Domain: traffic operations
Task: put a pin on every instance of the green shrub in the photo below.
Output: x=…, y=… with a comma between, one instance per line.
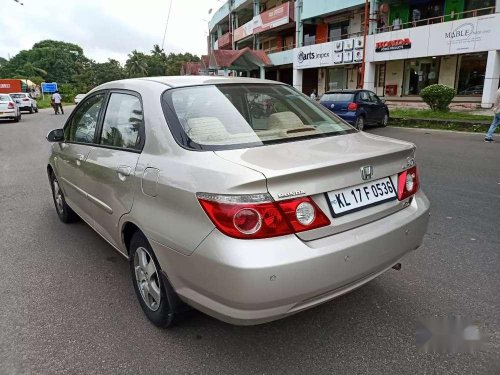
x=68, y=92
x=438, y=97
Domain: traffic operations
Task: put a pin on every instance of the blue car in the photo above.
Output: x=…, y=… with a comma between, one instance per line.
x=358, y=107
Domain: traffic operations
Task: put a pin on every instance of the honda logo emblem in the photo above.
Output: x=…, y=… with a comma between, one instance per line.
x=367, y=172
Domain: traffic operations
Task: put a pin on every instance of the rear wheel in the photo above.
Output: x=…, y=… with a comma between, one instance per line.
x=18, y=118
x=385, y=120
x=65, y=213
x=31, y=110
x=36, y=109
x=156, y=296
x=360, y=123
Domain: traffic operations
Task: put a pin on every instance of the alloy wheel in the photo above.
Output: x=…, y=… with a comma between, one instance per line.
x=147, y=278
x=360, y=123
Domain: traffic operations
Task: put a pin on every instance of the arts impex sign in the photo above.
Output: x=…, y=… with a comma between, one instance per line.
x=393, y=45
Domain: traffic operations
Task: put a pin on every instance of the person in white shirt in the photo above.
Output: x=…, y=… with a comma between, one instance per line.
x=314, y=96
x=396, y=23
x=57, y=102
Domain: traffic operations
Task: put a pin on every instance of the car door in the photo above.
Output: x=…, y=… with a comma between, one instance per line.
x=379, y=107
x=366, y=106
x=113, y=161
x=71, y=155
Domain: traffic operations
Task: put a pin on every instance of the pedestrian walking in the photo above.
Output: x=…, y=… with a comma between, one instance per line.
x=57, y=99
x=496, y=119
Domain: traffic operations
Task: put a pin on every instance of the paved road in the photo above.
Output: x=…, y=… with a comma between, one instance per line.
x=67, y=303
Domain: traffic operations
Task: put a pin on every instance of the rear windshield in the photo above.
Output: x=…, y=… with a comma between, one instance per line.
x=338, y=97
x=18, y=96
x=4, y=98
x=220, y=117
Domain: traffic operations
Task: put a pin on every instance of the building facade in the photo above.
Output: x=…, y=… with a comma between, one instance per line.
x=393, y=47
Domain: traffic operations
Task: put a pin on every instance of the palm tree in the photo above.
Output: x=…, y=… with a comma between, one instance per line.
x=30, y=70
x=136, y=65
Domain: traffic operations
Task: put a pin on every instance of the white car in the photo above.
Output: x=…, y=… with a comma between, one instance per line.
x=79, y=98
x=9, y=109
x=25, y=101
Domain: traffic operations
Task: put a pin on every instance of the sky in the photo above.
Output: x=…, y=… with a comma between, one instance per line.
x=106, y=28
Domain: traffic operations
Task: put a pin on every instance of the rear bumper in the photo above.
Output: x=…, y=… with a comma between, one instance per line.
x=349, y=117
x=25, y=108
x=253, y=282
x=8, y=114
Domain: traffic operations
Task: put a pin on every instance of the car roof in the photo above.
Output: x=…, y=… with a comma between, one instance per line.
x=184, y=81
x=344, y=91
x=19, y=93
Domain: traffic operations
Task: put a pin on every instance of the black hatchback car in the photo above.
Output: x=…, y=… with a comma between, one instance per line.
x=358, y=107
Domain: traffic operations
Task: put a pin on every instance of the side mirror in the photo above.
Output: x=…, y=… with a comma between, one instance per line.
x=56, y=135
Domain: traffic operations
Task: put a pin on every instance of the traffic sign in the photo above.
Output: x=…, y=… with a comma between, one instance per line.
x=49, y=88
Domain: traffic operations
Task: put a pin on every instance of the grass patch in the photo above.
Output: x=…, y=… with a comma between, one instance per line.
x=440, y=125
x=45, y=103
x=429, y=114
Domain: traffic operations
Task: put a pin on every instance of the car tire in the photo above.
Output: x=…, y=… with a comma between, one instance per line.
x=31, y=110
x=385, y=121
x=36, y=109
x=360, y=123
x=18, y=118
x=65, y=213
x=156, y=295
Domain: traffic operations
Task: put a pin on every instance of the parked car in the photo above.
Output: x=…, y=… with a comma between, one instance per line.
x=79, y=98
x=25, y=101
x=247, y=215
x=9, y=108
x=358, y=107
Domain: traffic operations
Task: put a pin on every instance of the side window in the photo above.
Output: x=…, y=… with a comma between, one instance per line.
x=122, y=122
x=84, y=122
x=364, y=97
x=374, y=98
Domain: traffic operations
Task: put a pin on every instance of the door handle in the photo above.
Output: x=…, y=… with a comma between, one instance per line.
x=124, y=170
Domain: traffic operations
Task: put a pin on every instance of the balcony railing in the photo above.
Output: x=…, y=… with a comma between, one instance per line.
x=439, y=19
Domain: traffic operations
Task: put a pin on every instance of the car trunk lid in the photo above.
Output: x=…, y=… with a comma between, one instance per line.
x=315, y=167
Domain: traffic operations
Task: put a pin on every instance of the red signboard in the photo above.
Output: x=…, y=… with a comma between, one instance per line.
x=278, y=16
x=243, y=31
x=225, y=40
x=393, y=45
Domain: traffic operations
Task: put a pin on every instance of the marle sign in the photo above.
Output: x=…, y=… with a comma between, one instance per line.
x=393, y=45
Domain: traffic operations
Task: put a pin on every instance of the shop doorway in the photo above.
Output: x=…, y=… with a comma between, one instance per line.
x=310, y=81
x=420, y=73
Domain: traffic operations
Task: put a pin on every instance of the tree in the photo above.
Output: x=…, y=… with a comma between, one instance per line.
x=3, y=61
x=136, y=64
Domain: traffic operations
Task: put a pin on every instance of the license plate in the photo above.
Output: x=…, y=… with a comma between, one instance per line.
x=362, y=196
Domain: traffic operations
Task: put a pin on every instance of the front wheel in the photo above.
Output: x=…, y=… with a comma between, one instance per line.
x=360, y=123
x=156, y=296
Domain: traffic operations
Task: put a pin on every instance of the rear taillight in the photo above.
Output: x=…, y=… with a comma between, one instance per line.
x=258, y=216
x=408, y=183
x=11, y=105
x=352, y=107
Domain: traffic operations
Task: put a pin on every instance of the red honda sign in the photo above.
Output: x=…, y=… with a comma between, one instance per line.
x=393, y=45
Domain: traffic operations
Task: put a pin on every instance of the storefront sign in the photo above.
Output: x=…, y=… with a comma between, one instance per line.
x=273, y=18
x=224, y=40
x=243, y=31
x=328, y=54
x=393, y=45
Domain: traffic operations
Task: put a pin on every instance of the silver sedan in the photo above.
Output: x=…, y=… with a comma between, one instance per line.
x=239, y=197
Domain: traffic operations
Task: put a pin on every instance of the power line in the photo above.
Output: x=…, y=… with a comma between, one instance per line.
x=166, y=25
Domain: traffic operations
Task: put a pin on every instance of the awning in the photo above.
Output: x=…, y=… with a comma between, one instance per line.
x=245, y=59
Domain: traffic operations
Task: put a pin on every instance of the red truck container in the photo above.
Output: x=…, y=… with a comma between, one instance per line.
x=8, y=86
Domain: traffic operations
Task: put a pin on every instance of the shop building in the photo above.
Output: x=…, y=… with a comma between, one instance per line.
x=403, y=46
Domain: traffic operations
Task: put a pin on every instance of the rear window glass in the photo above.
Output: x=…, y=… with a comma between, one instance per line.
x=338, y=97
x=18, y=96
x=4, y=98
x=219, y=117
